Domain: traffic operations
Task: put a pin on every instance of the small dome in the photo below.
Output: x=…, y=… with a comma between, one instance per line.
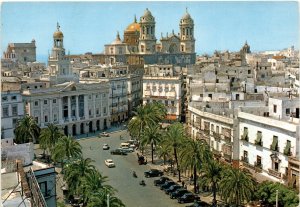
x=58, y=34
x=117, y=40
x=187, y=19
x=147, y=13
x=186, y=16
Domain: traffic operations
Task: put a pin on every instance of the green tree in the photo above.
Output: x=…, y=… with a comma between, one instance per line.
x=193, y=155
x=211, y=175
x=266, y=192
x=27, y=130
x=99, y=198
x=164, y=151
x=144, y=116
x=174, y=138
x=66, y=148
x=151, y=135
x=76, y=172
x=49, y=137
x=236, y=186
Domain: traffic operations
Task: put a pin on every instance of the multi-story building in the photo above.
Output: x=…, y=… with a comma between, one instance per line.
x=77, y=107
x=21, y=52
x=269, y=140
x=12, y=106
x=164, y=83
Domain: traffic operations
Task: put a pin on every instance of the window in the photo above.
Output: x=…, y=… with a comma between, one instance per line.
x=4, y=98
x=45, y=102
x=212, y=127
x=210, y=96
x=43, y=187
x=54, y=101
x=5, y=111
x=104, y=110
x=90, y=112
x=249, y=71
x=46, y=119
x=90, y=96
x=36, y=103
x=166, y=103
x=15, y=110
x=274, y=145
x=104, y=95
x=13, y=98
x=287, y=111
x=36, y=119
x=217, y=129
x=258, y=161
x=14, y=122
x=275, y=108
x=97, y=111
x=55, y=117
x=173, y=103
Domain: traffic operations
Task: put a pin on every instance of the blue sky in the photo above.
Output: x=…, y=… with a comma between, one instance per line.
x=87, y=26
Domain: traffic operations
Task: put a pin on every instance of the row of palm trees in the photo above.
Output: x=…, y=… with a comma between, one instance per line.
x=84, y=181
x=233, y=185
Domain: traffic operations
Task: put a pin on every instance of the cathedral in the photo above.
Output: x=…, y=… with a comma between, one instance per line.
x=140, y=45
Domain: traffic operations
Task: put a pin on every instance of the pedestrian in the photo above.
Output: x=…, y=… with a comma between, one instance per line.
x=182, y=183
x=197, y=188
x=120, y=137
x=90, y=147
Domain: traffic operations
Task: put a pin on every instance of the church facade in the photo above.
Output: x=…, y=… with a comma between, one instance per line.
x=140, y=45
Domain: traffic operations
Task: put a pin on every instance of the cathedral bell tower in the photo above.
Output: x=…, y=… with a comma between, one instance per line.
x=187, y=40
x=147, y=38
x=58, y=64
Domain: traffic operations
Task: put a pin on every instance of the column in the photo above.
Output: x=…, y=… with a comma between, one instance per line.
x=94, y=105
x=86, y=107
x=42, y=114
x=69, y=109
x=77, y=108
x=50, y=112
x=60, y=107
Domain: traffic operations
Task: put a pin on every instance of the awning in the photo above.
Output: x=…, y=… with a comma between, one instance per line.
x=274, y=143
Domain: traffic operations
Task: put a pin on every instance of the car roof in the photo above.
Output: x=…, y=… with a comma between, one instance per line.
x=109, y=160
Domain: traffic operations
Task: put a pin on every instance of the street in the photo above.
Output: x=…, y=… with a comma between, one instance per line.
x=129, y=191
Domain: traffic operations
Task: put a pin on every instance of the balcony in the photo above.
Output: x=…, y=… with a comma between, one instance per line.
x=244, y=159
x=274, y=173
x=227, y=157
x=245, y=137
x=216, y=153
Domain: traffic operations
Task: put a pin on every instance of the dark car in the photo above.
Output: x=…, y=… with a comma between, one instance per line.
x=188, y=198
x=167, y=185
x=178, y=193
x=118, y=152
x=199, y=204
x=172, y=188
x=161, y=181
x=153, y=173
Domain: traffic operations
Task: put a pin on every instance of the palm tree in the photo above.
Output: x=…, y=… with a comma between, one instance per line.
x=164, y=151
x=77, y=172
x=100, y=198
x=236, y=186
x=145, y=115
x=211, y=175
x=174, y=137
x=151, y=135
x=193, y=155
x=27, y=130
x=49, y=136
x=66, y=148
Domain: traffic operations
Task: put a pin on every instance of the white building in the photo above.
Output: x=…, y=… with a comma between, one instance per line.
x=12, y=106
x=77, y=107
x=164, y=83
x=269, y=142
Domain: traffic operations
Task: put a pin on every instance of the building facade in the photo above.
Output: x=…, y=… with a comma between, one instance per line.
x=21, y=52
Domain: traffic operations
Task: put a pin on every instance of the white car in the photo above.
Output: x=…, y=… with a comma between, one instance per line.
x=104, y=134
x=105, y=147
x=109, y=163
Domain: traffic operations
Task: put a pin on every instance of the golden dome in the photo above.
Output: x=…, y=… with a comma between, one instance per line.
x=58, y=33
x=133, y=27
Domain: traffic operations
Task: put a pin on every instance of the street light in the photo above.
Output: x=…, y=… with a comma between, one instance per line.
x=108, y=200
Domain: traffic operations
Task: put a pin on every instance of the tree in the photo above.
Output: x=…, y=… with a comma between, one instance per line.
x=211, y=175
x=27, y=130
x=77, y=172
x=67, y=148
x=49, y=136
x=193, y=155
x=144, y=116
x=174, y=137
x=266, y=192
x=236, y=186
x=99, y=198
x=151, y=135
x=164, y=151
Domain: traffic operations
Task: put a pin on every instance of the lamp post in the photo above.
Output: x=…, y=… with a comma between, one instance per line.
x=107, y=200
x=276, y=198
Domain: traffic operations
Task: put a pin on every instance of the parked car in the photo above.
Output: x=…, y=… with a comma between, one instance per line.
x=109, y=163
x=199, y=204
x=118, y=152
x=178, y=193
x=153, y=173
x=127, y=149
x=160, y=181
x=172, y=188
x=105, y=147
x=188, y=198
x=167, y=185
x=104, y=134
